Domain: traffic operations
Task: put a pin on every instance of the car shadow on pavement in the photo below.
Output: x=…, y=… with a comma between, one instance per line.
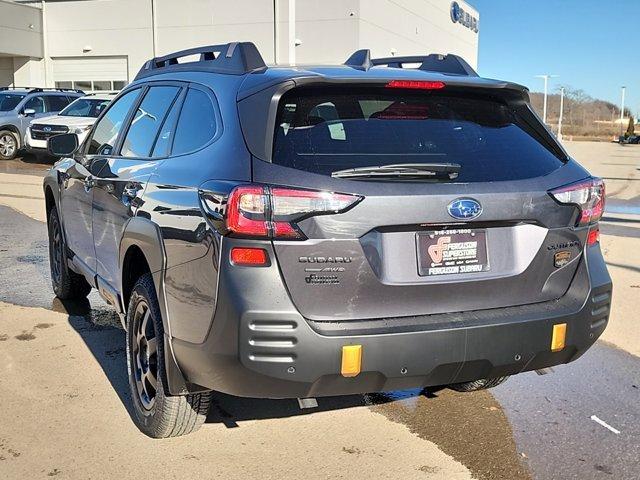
x=230, y=410
x=27, y=164
x=100, y=329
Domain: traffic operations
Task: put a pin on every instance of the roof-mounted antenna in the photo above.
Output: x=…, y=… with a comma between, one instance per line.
x=360, y=60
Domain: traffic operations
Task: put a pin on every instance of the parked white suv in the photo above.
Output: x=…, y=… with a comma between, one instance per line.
x=77, y=117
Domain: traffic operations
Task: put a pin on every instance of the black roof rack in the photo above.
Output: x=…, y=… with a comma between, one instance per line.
x=236, y=58
x=42, y=89
x=15, y=88
x=449, y=64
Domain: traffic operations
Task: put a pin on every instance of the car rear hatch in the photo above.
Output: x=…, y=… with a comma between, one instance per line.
x=443, y=202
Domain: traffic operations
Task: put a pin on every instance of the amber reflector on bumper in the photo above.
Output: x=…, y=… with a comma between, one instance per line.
x=558, y=336
x=351, y=360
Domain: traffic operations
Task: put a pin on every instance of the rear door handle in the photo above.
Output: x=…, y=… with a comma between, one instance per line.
x=131, y=190
x=130, y=193
x=64, y=178
x=89, y=183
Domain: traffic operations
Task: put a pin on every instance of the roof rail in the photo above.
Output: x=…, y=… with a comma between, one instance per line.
x=236, y=58
x=102, y=92
x=42, y=89
x=16, y=88
x=449, y=64
x=39, y=89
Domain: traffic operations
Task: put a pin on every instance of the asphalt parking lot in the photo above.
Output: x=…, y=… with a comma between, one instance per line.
x=64, y=394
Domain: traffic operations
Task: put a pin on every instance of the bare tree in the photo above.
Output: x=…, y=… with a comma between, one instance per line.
x=583, y=115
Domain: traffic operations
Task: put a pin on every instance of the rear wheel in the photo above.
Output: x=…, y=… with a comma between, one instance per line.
x=9, y=145
x=155, y=412
x=476, y=385
x=67, y=284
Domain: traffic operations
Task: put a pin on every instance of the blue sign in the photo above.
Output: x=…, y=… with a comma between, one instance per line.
x=464, y=209
x=461, y=16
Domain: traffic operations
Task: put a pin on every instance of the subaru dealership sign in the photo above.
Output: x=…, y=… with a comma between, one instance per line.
x=459, y=15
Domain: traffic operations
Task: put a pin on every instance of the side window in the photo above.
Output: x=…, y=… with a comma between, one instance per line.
x=36, y=103
x=56, y=103
x=163, y=142
x=197, y=123
x=106, y=130
x=147, y=121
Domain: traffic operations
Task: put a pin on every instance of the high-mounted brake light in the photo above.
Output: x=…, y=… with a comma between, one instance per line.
x=588, y=195
x=272, y=212
x=416, y=84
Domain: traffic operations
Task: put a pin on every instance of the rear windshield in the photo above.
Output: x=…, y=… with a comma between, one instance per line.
x=323, y=130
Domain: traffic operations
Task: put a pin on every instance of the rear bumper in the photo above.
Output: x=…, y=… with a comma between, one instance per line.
x=262, y=347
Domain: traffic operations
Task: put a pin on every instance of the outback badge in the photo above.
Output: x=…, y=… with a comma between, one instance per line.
x=561, y=258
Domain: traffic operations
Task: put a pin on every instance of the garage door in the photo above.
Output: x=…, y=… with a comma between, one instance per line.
x=90, y=73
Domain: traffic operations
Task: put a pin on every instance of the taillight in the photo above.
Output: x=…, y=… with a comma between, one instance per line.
x=416, y=84
x=594, y=236
x=588, y=195
x=272, y=212
x=246, y=211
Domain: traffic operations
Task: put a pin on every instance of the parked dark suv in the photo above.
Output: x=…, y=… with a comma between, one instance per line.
x=310, y=231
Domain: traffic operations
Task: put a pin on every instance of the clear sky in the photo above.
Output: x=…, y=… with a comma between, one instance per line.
x=593, y=45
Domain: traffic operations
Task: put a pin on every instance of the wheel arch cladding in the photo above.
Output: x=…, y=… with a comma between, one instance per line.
x=134, y=265
x=13, y=129
x=141, y=251
x=49, y=199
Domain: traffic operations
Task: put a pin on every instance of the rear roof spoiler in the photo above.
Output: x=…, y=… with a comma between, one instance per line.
x=449, y=64
x=236, y=58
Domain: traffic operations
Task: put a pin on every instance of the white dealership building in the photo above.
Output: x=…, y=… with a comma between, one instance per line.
x=101, y=44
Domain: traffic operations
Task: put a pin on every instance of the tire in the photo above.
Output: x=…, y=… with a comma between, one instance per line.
x=155, y=412
x=476, y=385
x=67, y=284
x=9, y=145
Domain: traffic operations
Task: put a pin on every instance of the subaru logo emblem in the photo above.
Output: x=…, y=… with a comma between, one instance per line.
x=464, y=209
x=455, y=12
x=47, y=129
x=461, y=16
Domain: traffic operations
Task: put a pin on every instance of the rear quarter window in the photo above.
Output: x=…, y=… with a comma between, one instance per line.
x=322, y=130
x=197, y=124
x=56, y=103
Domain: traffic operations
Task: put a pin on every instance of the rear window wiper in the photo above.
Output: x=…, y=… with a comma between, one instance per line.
x=402, y=171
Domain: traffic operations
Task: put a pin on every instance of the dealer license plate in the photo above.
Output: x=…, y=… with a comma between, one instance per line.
x=447, y=252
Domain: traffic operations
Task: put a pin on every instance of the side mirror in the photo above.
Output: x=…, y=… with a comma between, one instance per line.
x=28, y=112
x=62, y=145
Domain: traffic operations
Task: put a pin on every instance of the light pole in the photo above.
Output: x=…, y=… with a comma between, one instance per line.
x=292, y=42
x=622, y=109
x=546, y=83
x=292, y=32
x=561, y=112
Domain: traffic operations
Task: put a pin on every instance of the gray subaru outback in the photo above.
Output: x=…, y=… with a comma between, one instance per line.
x=283, y=232
x=20, y=106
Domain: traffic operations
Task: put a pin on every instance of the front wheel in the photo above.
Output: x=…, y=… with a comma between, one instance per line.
x=155, y=412
x=9, y=145
x=476, y=385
